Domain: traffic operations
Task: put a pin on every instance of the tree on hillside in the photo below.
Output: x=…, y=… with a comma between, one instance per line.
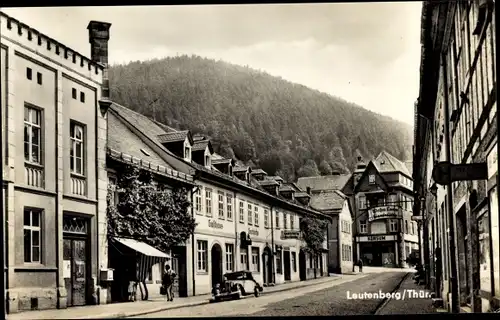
x=309, y=169
x=324, y=168
x=248, y=113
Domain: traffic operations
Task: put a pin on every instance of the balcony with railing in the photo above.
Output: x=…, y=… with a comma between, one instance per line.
x=34, y=175
x=78, y=185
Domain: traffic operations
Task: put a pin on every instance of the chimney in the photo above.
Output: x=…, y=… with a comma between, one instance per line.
x=98, y=39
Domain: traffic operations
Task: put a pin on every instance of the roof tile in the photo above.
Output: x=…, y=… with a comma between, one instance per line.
x=318, y=183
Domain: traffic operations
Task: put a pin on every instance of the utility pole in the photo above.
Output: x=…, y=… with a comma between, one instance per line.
x=449, y=198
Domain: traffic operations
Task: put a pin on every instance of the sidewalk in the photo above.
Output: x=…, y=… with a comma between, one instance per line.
x=128, y=309
x=410, y=304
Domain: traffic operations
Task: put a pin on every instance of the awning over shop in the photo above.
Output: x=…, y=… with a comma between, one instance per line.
x=142, y=248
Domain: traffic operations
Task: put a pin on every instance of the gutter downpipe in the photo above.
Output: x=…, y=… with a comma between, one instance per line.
x=455, y=306
x=273, y=280
x=193, y=264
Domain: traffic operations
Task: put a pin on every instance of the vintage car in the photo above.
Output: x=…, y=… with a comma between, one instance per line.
x=235, y=285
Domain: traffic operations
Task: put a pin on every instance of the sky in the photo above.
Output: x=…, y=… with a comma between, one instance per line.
x=366, y=53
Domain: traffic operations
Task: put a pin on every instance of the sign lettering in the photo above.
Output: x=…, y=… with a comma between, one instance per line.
x=383, y=212
x=214, y=224
x=445, y=173
x=290, y=234
x=376, y=238
x=253, y=232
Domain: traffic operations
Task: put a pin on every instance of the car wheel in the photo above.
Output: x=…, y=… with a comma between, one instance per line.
x=242, y=291
x=256, y=292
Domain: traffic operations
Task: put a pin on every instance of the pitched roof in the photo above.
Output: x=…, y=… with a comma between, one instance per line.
x=286, y=188
x=240, y=168
x=328, y=200
x=221, y=161
x=302, y=195
x=258, y=171
x=277, y=178
x=150, y=131
x=318, y=183
x=175, y=136
x=386, y=162
x=409, y=166
x=269, y=183
x=122, y=139
x=201, y=145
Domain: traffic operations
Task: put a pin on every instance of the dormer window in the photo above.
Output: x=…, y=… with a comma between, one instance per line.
x=207, y=160
x=230, y=170
x=187, y=153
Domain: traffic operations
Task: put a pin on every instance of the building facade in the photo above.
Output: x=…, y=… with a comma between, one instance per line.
x=54, y=168
x=340, y=234
x=456, y=121
x=245, y=219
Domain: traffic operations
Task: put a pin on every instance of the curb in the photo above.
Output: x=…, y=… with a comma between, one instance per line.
x=384, y=302
x=193, y=304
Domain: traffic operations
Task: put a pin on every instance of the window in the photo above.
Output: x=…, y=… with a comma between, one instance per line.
x=243, y=259
x=29, y=73
x=76, y=151
x=393, y=225
x=293, y=262
x=221, y=205
x=186, y=152
x=279, y=267
x=39, y=78
x=277, y=220
x=292, y=222
x=406, y=226
x=371, y=179
x=229, y=257
x=32, y=235
x=285, y=220
x=363, y=227
x=82, y=96
x=73, y=93
x=255, y=260
x=198, y=206
x=266, y=218
x=207, y=160
x=229, y=207
x=249, y=214
x=202, y=255
x=412, y=228
x=114, y=194
x=242, y=212
x=362, y=202
x=32, y=135
x=208, y=202
x=256, y=215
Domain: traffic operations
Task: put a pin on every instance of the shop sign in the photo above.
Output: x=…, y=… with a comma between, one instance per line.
x=253, y=232
x=383, y=212
x=214, y=224
x=290, y=234
x=493, y=161
x=376, y=238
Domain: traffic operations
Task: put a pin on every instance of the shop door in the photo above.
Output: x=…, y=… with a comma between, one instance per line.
x=286, y=261
x=75, y=271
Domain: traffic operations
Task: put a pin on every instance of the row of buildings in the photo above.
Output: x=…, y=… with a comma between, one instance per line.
x=456, y=121
x=56, y=187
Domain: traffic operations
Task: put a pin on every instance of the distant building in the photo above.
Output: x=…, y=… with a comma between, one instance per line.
x=381, y=196
x=54, y=138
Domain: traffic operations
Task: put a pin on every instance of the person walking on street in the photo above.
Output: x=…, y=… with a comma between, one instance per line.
x=168, y=282
x=360, y=265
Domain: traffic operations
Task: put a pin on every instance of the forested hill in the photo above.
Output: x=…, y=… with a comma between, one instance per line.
x=282, y=127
